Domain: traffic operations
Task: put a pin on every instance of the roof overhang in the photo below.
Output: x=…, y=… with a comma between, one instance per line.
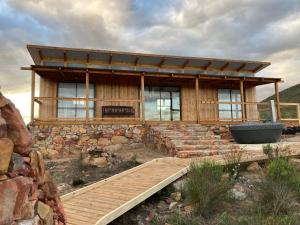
x=102, y=59
x=61, y=72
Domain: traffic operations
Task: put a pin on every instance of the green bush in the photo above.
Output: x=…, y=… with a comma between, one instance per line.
x=206, y=187
x=281, y=170
x=256, y=219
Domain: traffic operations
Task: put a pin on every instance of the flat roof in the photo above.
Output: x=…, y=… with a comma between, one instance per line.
x=103, y=59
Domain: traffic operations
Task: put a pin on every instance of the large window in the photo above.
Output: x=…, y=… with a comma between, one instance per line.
x=229, y=111
x=162, y=103
x=74, y=108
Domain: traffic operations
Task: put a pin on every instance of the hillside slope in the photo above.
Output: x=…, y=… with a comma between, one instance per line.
x=291, y=94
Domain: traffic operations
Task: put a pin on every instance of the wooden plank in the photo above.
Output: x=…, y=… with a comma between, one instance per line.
x=277, y=99
x=242, y=100
x=197, y=99
x=262, y=80
x=140, y=198
x=107, y=180
x=32, y=95
x=87, y=95
x=298, y=113
x=143, y=97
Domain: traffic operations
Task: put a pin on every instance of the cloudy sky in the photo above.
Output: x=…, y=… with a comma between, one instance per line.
x=267, y=30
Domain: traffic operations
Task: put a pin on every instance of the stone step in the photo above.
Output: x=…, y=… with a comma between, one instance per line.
x=205, y=147
x=205, y=142
x=201, y=153
x=188, y=137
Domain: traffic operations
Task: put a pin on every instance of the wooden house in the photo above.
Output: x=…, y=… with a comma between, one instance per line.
x=97, y=86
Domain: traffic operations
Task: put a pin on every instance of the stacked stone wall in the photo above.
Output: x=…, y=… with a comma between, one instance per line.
x=28, y=195
x=63, y=141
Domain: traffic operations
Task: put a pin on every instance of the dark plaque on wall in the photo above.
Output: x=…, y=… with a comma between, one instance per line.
x=118, y=111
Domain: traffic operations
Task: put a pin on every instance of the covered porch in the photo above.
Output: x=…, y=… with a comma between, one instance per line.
x=123, y=96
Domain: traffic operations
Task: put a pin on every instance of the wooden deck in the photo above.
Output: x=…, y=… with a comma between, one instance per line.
x=106, y=200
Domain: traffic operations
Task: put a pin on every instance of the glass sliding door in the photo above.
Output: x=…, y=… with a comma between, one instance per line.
x=162, y=103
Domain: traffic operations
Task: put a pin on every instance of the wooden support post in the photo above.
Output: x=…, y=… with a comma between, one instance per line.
x=87, y=95
x=298, y=113
x=197, y=98
x=277, y=101
x=242, y=100
x=32, y=94
x=143, y=97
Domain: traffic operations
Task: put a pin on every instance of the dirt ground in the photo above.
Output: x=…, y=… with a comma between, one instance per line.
x=142, y=154
x=70, y=174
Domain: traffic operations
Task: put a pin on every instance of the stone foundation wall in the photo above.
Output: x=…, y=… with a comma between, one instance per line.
x=64, y=141
x=28, y=196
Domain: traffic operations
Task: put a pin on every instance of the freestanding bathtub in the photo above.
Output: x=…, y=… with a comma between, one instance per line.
x=256, y=133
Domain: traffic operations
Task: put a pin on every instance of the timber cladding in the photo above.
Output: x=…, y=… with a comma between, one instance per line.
x=48, y=88
x=124, y=91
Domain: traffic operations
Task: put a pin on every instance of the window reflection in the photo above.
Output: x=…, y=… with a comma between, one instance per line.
x=229, y=111
x=162, y=103
x=74, y=108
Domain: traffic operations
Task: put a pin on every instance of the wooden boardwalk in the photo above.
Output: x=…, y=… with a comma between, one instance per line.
x=106, y=200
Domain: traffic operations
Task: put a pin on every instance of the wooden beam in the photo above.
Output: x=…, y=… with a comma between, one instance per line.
x=87, y=95
x=277, y=99
x=143, y=97
x=207, y=65
x=242, y=100
x=197, y=98
x=241, y=67
x=41, y=57
x=162, y=61
x=87, y=58
x=264, y=80
x=109, y=59
x=225, y=66
x=185, y=63
x=136, y=61
x=32, y=95
x=258, y=68
x=65, y=59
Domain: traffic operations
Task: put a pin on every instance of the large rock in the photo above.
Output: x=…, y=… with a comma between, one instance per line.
x=34, y=221
x=14, y=199
x=3, y=127
x=45, y=213
x=103, y=142
x=6, y=149
x=49, y=188
x=16, y=128
x=113, y=148
x=8, y=196
x=23, y=208
x=37, y=166
x=119, y=140
x=254, y=167
x=98, y=162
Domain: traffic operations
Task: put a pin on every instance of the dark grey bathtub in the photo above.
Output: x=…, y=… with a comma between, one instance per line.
x=256, y=133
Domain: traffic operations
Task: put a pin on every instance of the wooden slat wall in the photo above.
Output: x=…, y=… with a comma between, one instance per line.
x=126, y=89
x=48, y=88
x=208, y=111
x=251, y=110
x=121, y=88
x=188, y=101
